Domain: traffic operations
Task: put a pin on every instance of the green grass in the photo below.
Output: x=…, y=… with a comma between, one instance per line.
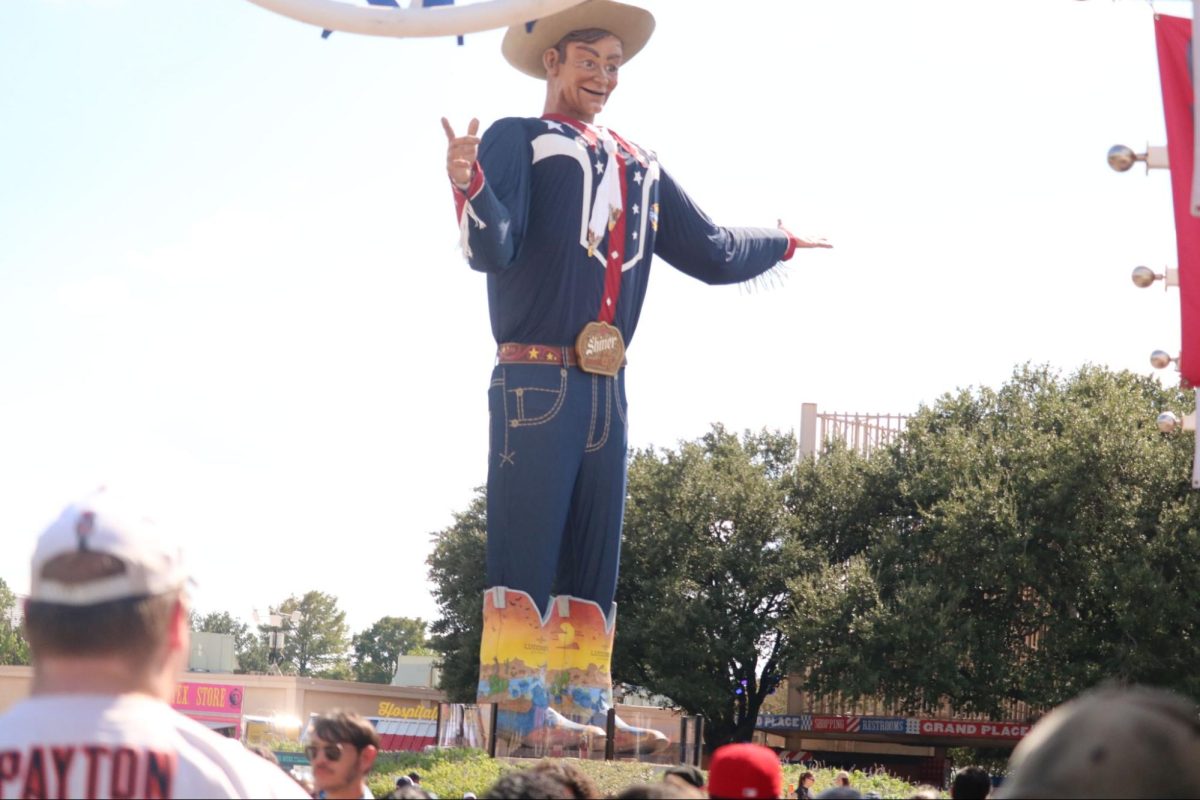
x=451, y=773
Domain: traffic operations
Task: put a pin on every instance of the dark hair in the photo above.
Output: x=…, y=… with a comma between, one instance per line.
x=686, y=773
x=572, y=777
x=528, y=784
x=340, y=726
x=807, y=774
x=971, y=783
x=662, y=790
x=133, y=627
x=585, y=35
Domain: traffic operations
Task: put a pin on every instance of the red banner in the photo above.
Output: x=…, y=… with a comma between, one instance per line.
x=1173, y=36
x=215, y=698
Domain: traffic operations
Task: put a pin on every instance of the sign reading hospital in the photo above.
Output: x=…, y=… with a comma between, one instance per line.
x=211, y=697
x=390, y=709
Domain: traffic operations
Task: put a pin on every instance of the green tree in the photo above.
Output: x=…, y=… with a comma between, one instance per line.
x=1039, y=539
x=709, y=547
x=14, y=650
x=457, y=569
x=316, y=636
x=378, y=648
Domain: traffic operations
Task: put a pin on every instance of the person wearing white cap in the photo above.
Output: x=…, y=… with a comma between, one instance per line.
x=564, y=216
x=107, y=624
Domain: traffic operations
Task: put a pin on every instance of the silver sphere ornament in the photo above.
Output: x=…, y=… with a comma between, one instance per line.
x=1121, y=158
x=1144, y=277
x=1160, y=359
x=1167, y=422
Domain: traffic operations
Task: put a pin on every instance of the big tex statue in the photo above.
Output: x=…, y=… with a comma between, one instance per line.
x=563, y=215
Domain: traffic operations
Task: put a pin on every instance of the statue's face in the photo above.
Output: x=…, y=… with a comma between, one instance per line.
x=580, y=83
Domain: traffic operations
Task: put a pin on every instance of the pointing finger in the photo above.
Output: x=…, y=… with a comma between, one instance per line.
x=449, y=130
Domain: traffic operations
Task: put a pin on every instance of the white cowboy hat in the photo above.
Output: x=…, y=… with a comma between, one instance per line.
x=524, y=48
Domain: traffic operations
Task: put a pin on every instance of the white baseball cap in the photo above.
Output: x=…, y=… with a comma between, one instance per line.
x=100, y=523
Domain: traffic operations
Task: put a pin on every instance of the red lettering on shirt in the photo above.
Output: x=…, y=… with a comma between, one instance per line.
x=160, y=775
x=61, y=757
x=10, y=767
x=93, y=752
x=35, y=776
x=124, y=774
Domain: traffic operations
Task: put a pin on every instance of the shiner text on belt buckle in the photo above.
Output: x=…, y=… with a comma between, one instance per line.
x=600, y=349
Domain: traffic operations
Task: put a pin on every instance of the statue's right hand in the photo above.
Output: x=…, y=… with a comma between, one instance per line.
x=461, y=153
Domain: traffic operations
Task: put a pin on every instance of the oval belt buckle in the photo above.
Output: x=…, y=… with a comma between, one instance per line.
x=600, y=349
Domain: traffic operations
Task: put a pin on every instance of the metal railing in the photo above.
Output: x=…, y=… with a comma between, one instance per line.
x=859, y=432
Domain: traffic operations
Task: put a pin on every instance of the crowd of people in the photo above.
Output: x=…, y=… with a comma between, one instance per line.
x=107, y=626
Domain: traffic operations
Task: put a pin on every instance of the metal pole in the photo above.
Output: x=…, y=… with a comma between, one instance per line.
x=683, y=740
x=438, y=732
x=699, y=738
x=610, y=728
x=492, y=731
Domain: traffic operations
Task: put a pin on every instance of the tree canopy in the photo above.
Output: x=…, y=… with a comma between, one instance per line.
x=457, y=570
x=14, y=650
x=1017, y=546
x=378, y=648
x=709, y=548
x=317, y=645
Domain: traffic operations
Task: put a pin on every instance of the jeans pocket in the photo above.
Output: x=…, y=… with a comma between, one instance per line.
x=534, y=396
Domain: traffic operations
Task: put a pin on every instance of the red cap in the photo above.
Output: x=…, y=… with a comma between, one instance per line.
x=744, y=770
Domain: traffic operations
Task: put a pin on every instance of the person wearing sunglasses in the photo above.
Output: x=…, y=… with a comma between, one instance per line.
x=341, y=747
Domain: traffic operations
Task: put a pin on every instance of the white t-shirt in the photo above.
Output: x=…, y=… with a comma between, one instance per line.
x=104, y=746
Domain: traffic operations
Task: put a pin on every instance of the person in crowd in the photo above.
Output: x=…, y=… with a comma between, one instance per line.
x=342, y=747
x=971, y=783
x=571, y=776
x=661, y=790
x=842, y=779
x=804, y=790
x=685, y=773
x=108, y=632
x=528, y=784
x=1112, y=741
x=744, y=770
x=926, y=793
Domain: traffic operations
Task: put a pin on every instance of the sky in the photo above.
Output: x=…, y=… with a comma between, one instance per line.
x=230, y=275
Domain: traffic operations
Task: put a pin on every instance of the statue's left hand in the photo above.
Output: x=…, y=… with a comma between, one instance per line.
x=805, y=241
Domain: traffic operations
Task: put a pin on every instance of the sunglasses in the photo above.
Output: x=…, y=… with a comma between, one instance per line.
x=332, y=752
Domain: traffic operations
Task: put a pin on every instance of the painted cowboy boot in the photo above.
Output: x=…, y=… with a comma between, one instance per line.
x=579, y=663
x=512, y=674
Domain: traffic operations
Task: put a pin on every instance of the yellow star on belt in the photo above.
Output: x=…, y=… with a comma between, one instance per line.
x=533, y=352
x=551, y=356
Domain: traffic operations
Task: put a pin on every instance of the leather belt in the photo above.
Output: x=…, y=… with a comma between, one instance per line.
x=517, y=353
x=552, y=354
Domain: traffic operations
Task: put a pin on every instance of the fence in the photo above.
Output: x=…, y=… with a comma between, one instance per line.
x=859, y=432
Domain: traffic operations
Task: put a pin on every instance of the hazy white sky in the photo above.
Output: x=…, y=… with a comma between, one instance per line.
x=229, y=264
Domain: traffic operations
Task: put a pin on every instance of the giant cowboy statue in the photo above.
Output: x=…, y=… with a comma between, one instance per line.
x=563, y=215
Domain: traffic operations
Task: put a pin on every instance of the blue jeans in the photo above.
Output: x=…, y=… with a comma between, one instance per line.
x=556, y=481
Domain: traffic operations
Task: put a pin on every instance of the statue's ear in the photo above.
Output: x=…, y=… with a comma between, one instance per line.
x=550, y=59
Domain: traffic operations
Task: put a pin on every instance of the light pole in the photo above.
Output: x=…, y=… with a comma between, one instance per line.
x=277, y=635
